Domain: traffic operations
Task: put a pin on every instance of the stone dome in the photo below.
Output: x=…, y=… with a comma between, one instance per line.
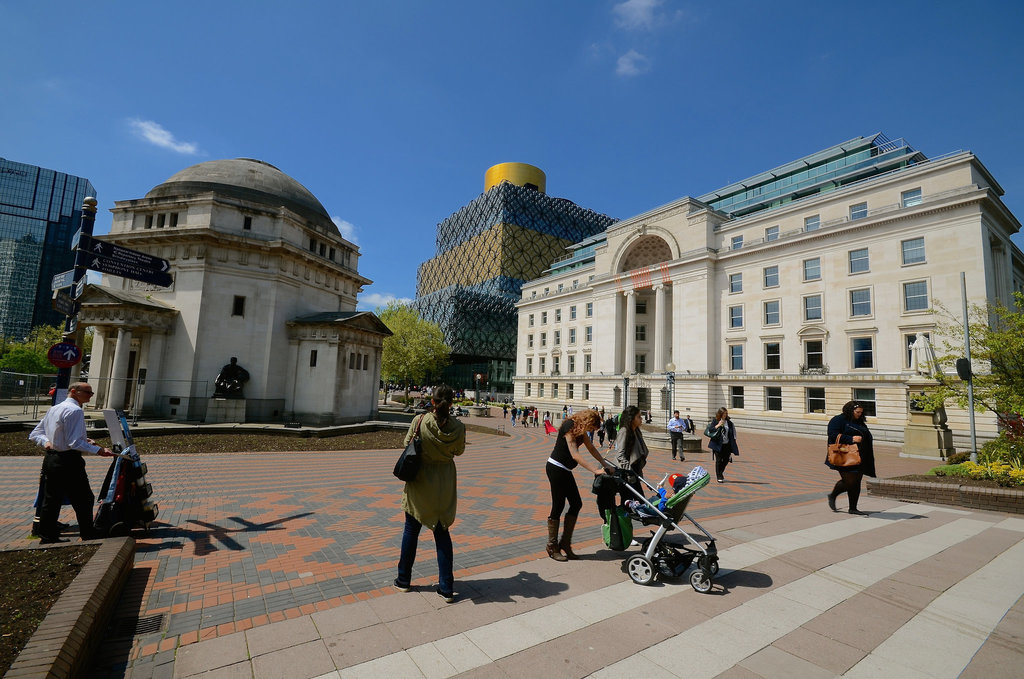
x=247, y=179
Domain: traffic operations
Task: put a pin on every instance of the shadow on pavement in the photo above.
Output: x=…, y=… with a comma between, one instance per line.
x=523, y=585
x=203, y=539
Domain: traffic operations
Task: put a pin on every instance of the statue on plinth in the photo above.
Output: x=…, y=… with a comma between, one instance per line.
x=922, y=355
x=229, y=382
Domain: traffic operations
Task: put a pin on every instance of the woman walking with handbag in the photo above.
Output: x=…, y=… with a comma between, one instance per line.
x=567, y=454
x=430, y=499
x=721, y=435
x=849, y=426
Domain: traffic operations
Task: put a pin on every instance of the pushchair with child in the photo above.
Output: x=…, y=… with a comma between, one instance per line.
x=665, y=509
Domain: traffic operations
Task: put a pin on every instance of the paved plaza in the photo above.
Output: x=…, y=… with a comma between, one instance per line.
x=280, y=565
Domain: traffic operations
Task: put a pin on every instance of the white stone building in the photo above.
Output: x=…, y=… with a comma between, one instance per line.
x=780, y=297
x=260, y=273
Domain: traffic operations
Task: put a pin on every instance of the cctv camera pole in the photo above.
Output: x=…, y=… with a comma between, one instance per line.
x=970, y=377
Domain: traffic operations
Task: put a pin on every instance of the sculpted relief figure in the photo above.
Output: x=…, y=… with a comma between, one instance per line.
x=230, y=380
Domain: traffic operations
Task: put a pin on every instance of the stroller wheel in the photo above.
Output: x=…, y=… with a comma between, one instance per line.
x=640, y=569
x=700, y=580
x=710, y=563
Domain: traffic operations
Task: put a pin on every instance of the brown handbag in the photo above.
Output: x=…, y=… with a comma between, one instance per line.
x=843, y=454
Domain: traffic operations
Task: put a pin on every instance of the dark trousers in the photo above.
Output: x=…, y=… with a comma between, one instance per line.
x=563, y=489
x=722, y=459
x=65, y=477
x=445, y=554
x=677, y=439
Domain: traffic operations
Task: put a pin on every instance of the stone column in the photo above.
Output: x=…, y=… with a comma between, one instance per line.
x=119, y=373
x=152, y=390
x=660, y=314
x=629, y=359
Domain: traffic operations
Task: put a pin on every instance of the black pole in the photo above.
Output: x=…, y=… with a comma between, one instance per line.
x=71, y=325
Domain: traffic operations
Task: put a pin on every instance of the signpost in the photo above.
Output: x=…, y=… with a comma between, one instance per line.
x=63, y=303
x=64, y=279
x=64, y=354
x=119, y=261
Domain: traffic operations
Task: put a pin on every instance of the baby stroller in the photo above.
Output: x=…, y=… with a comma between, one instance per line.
x=125, y=497
x=657, y=557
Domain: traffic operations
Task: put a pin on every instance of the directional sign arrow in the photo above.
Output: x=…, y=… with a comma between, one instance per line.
x=127, y=256
x=128, y=270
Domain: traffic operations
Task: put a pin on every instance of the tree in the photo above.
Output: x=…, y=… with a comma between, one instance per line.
x=997, y=354
x=29, y=355
x=415, y=350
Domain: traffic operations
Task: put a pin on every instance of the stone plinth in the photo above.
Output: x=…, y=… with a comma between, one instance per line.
x=479, y=411
x=225, y=410
x=927, y=436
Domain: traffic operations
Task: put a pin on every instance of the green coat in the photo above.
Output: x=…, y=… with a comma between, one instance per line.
x=433, y=496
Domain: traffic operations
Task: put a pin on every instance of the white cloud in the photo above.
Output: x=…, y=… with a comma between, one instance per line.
x=348, y=229
x=372, y=300
x=155, y=134
x=632, y=63
x=636, y=14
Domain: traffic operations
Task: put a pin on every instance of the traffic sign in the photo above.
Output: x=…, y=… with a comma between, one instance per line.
x=74, y=239
x=63, y=280
x=128, y=270
x=80, y=286
x=125, y=256
x=63, y=303
x=64, y=354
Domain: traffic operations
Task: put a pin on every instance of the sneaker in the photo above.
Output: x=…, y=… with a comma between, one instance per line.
x=448, y=598
x=402, y=588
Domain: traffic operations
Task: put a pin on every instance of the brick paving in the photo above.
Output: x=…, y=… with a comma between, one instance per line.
x=250, y=539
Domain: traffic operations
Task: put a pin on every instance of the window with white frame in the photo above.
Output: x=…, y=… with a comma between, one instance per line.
x=540, y=390
x=556, y=363
x=736, y=397
x=542, y=360
x=543, y=339
x=530, y=321
x=772, y=356
x=588, y=334
x=529, y=366
x=859, y=262
x=640, y=333
x=590, y=310
x=561, y=286
x=558, y=338
x=737, y=242
x=812, y=269
x=735, y=357
x=586, y=391
x=911, y=197
x=735, y=282
x=528, y=389
x=812, y=308
x=915, y=296
x=640, y=363
x=773, y=398
x=866, y=399
x=860, y=302
x=572, y=313
x=529, y=341
x=586, y=363
x=569, y=390
x=641, y=306
x=815, y=399
x=572, y=335
x=771, y=276
x=543, y=318
x=812, y=223
x=572, y=363
x=814, y=354
x=736, y=316
x=558, y=315
x=771, y=233
x=913, y=250
x=858, y=211
x=773, y=312
x=863, y=349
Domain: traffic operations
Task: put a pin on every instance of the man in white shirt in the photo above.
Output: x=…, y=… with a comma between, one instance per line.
x=62, y=433
x=676, y=427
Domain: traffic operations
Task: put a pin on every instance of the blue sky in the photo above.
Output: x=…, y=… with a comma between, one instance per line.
x=391, y=111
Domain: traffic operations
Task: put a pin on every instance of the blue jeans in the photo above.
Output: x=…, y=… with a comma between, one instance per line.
x=443, y=541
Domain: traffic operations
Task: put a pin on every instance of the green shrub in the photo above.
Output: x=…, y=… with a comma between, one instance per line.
x=957, y=458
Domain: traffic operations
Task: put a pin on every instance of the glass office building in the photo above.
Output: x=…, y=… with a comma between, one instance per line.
x=40, y=210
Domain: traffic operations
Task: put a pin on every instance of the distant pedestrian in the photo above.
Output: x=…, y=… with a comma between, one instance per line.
x=721, y=434
x=676, y=427
x=536, y=416
x=61, y=433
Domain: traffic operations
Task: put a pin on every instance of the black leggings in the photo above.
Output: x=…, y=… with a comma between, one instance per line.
x=849, y=483
x=563, y=489
x=722, y=459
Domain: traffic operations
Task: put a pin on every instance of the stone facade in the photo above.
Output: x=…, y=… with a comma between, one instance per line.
x=781, y=314
x=252, y=252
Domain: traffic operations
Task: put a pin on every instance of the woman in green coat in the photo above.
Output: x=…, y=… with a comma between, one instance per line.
x=431, y=499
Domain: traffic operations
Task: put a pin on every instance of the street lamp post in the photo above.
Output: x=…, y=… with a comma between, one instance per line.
x=625, y=389
x=478, y=376
x=670, y=381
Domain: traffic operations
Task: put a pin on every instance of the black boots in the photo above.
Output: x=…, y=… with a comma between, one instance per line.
x=566, y=542
x=553, y=549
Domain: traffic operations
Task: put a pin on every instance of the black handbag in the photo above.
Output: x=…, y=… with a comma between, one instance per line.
x=408, y=465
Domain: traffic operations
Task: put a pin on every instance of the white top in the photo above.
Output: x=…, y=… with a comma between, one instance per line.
x=63, y=427
x=677, y=424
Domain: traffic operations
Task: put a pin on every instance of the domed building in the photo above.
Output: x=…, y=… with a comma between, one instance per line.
x=261, y=274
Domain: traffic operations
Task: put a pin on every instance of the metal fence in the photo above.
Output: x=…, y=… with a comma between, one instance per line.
x=26, y=393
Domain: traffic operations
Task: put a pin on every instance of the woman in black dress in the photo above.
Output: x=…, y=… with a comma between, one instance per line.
x=850, y=427
x=572, y=436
